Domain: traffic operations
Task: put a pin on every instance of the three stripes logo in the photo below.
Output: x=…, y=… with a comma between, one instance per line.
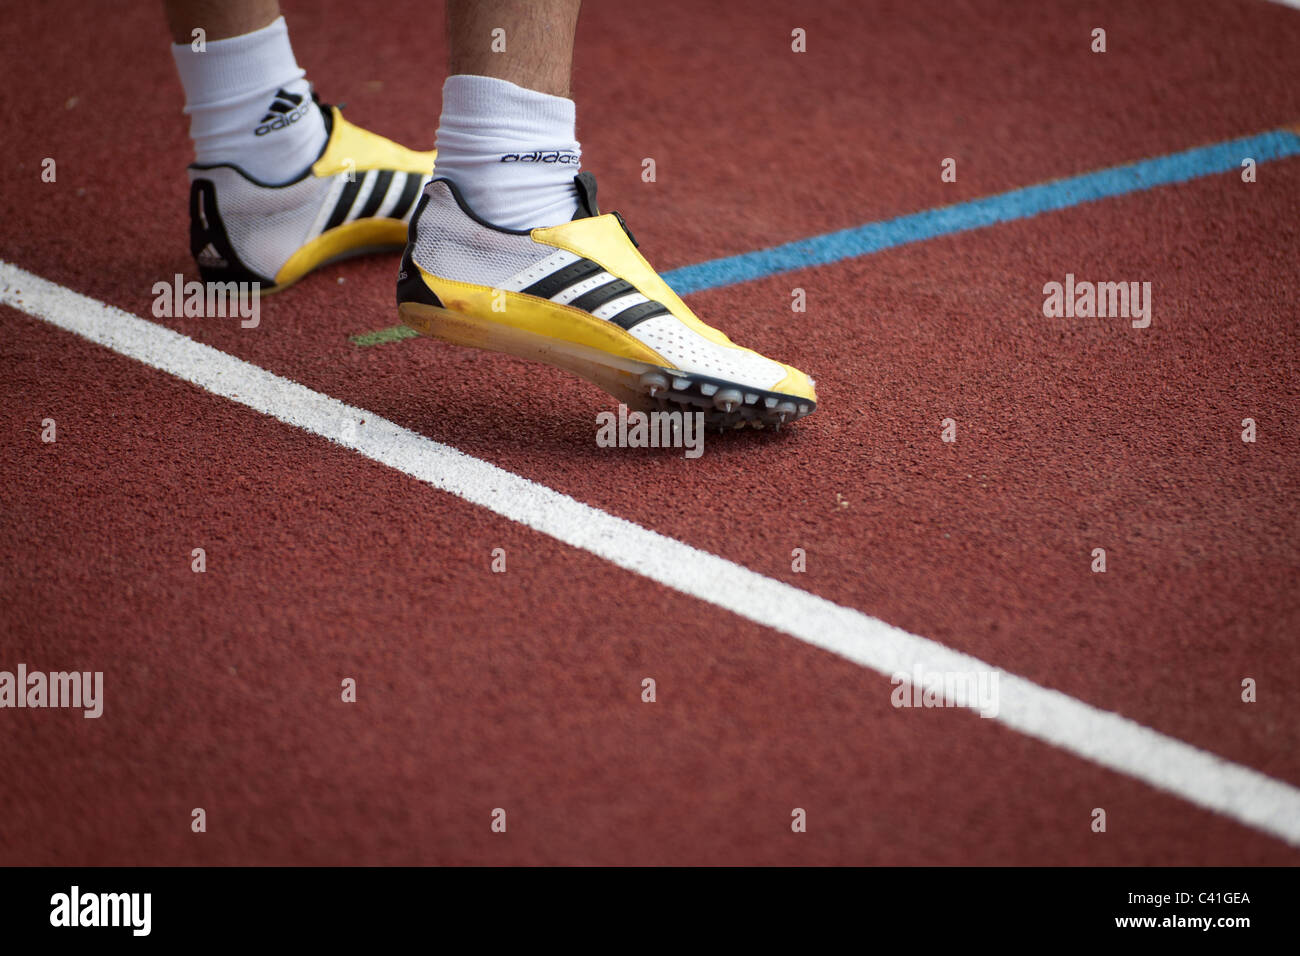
x=208, y=256
x=286, y=109
x=586, y=285
x=386, y=193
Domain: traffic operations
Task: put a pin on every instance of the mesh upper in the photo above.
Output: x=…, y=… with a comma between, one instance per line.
x=266, y=225
x=452, y=244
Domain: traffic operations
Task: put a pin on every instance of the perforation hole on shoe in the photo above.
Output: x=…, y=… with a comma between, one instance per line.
x=691, y=352
x=538, y=270
x=581, y=288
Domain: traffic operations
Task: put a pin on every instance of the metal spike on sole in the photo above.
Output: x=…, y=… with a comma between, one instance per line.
x=726, y=407
x=727, y=399
x=654, y=382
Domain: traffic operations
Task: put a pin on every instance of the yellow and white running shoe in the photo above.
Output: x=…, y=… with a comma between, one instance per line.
x=356, y=198
x=580, y=296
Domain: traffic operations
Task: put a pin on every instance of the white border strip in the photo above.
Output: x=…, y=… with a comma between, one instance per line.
x=1105, y=738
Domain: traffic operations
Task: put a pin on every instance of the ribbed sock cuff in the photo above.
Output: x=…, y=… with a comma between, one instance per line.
x=237, y=68
x=506, y=110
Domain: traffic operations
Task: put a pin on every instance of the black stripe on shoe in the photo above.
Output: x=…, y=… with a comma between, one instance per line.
x=409, y=192
x=634, y=314
x=345, y=202
x=593, y=300
x=377, y=194
x=561, y=279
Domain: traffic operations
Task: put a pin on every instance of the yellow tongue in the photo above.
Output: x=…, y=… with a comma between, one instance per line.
x=353, y=148
x=602, y=239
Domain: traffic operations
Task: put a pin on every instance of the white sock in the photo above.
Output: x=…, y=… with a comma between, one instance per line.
x=512, y=152
x=250, y=106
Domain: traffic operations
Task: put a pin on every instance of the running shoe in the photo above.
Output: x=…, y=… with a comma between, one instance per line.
x=581, y=297
x=356, y=198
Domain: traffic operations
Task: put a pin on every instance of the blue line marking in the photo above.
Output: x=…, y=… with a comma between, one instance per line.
x=977, y=213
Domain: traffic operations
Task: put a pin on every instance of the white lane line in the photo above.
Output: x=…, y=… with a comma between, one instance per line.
x=1105, y=738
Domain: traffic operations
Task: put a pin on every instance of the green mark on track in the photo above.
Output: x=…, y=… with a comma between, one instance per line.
x=394, y=333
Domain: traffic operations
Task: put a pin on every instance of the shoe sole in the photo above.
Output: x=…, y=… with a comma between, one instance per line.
x=265, y=289
x=638, y=385
x=375, y=249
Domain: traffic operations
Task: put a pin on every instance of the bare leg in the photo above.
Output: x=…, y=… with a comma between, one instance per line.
x=538, y=39
x=219, y=19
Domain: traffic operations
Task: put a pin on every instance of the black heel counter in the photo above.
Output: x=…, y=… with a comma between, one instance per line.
x=209, y=244
x=410, y=286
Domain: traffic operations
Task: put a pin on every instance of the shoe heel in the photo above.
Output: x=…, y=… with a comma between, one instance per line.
x=410, y=287
x=209, y=244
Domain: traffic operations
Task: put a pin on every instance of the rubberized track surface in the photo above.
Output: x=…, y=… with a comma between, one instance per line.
x=522, y=690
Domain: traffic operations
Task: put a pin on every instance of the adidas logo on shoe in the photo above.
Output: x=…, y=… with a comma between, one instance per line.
x=209, y=256
x=285, y=110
